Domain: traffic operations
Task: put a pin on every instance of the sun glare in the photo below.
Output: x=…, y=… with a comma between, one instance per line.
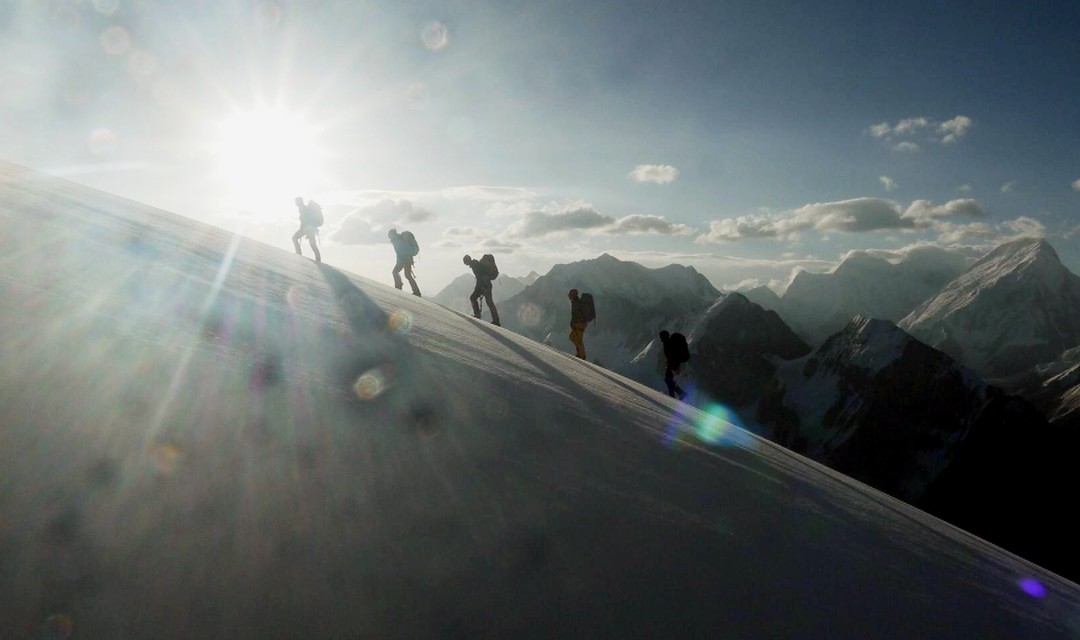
x=266, y=155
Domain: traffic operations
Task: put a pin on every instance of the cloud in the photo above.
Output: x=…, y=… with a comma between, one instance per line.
x=580, y=216
x=536, y=224
x=639, y=224
x=657, y=173
x=355, y=230
x=887, y=182
x=1076, y=185
x=923, y=212
x=964, y=188
x=368, y=225
x=946, y=132
x=858, y=215
x=1025, y=227
x=954, y=129
x=1008, y=187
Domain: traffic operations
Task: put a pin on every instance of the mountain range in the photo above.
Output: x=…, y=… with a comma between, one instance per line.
x=911, y=419
x=205, y=436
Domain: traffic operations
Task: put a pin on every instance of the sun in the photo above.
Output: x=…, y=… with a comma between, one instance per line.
x=265, y=155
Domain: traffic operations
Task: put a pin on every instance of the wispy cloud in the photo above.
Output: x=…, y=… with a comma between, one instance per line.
x=536, y=224
x=887, y=182
x=583, y=218
x=953, y=130
x=1008, y=187
x=367, y=225
x=1076, y=185
x=648, y=224
x=898, y=135
x=964, y=188
x=858, y=215
x=656, y=173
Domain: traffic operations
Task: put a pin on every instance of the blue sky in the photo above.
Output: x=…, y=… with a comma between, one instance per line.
x=744, y=138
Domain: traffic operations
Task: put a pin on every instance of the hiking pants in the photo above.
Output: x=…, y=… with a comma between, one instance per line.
x=673, y=389
x=405, y=264
x=577, y=336
x=311, y=232
x=484, y=289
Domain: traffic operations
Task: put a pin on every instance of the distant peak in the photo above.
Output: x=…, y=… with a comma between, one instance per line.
x=1022, y=251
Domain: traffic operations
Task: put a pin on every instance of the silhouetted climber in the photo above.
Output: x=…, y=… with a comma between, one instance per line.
x=582, y=312
x=676, y=352
x=311, y=218
x=406, y=248
x=485, y=271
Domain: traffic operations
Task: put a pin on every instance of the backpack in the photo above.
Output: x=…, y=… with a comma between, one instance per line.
x=315, y=215
x=588, y=307
x=412, y=248
x=488, y=261
x=677, y=349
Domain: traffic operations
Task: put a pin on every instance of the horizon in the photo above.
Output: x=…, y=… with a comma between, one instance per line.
x=252, y=445
x=747, y=140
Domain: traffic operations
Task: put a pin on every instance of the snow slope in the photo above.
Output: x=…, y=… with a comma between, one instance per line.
x=455, y=295
x=1016, y=307
x=202, y=436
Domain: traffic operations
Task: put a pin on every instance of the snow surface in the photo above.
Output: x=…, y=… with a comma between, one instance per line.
x=203, y=436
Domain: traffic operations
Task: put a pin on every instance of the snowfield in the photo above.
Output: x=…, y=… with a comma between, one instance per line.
x=202, y=436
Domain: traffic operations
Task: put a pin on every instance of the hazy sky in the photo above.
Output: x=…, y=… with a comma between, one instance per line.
x=745, y=138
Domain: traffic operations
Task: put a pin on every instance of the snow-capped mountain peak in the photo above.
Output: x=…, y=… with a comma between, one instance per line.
x=1015, y=308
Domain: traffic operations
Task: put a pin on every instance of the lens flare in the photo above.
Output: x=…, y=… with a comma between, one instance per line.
x=108, y=7
x=370, y=385
x=1032, y=587
x=102, y=142
x=166, y=458
x=400, y=321
x=721, y=426
x=116, y=41
x=435, y=36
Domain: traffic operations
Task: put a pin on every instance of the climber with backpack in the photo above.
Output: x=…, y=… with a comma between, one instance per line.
x=582, y=312
x=676, y=352
x=311, y=218
x=406, y=248
x=485, y=271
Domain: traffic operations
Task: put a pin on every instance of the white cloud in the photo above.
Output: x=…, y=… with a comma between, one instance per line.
x=536, y=224
x=1008, y=187
x=368, y=224
x=857, y=215
x=954, y=129
x=1076, y=185
x=923, y=212
x=639, y=224
x=887, y=182
x=947, y=132
x=581, y=216
x=1025, y=227
x=657, y=173
x=964, y=188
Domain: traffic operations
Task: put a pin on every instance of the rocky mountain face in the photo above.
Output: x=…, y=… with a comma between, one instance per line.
x=1015, y=308
x=816, y=305
x=734, y=350
x=633, y=303
x=455, y=295
x=877, y=405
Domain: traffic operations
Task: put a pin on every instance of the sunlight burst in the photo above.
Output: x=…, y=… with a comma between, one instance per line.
x=267, y=154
